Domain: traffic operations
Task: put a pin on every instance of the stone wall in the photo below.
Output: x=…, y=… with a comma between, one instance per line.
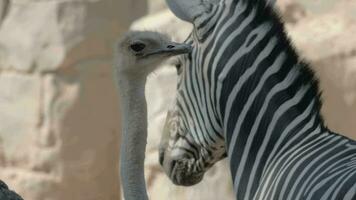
x=322, y=32
x=59, y=119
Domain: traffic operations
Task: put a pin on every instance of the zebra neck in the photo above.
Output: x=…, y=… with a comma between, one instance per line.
x=264, y=84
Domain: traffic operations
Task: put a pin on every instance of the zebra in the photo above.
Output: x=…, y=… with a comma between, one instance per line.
x=245, y=94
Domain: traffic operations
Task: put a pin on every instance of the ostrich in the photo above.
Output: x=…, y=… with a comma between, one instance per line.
x=7, y=194
x=138, y=54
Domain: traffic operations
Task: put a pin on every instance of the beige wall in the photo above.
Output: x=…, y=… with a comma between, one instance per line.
x=59, y=119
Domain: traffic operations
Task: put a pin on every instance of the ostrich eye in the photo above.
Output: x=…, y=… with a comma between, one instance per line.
x=137, y=47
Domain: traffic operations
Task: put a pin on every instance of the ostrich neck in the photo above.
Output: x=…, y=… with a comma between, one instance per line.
x=134, y=136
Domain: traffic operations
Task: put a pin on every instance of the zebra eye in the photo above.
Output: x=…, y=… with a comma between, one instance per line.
x=137, y=47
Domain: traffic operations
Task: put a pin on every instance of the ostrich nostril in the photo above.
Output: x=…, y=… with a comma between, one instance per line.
x=161, y=157
x=170, y=46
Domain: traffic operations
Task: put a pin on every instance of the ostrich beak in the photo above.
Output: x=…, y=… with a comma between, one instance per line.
x=177, y=48
x=172, y=49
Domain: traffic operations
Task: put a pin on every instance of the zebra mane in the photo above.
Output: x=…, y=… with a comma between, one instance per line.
x=266, y=8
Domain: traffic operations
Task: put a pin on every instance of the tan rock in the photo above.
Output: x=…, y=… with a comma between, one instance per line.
x=34, y=34
x=19, y=108
x=155, y=6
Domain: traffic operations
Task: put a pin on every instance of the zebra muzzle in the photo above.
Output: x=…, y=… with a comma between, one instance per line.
x=184, y=173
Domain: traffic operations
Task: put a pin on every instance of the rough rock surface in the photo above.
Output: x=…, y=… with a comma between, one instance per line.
x=7, y=194
x=59, y=130
x=323, y=33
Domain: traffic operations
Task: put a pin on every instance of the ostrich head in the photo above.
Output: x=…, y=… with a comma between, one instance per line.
x=142, y=51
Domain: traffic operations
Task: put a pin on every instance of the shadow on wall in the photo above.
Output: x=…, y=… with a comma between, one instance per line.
x=90, y=133
x=4, y=8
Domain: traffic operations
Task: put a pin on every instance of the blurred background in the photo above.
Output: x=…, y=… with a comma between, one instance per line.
x=59, y=114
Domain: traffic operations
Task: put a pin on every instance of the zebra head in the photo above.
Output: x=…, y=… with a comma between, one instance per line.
x=192, y=140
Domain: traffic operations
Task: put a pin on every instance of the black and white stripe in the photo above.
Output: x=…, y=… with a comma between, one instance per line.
x=244, y=90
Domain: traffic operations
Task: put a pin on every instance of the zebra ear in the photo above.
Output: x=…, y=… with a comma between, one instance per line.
x=186, y=10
